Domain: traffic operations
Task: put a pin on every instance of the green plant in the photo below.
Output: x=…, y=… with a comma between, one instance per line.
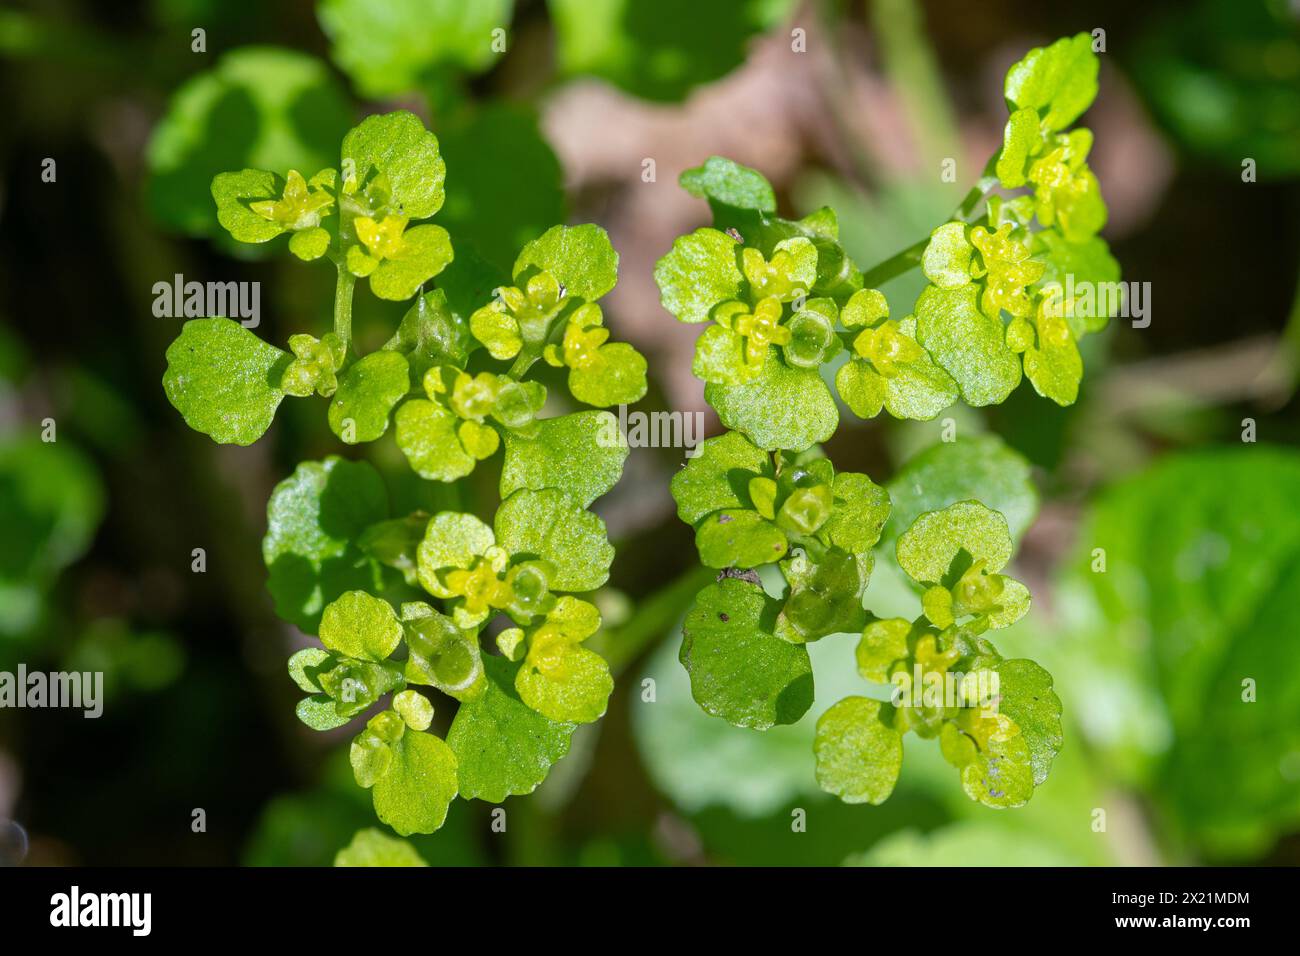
x=782, y=301
x=402, y=601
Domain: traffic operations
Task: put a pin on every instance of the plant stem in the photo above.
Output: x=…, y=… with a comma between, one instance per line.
x=343, y=305
x=899, y=263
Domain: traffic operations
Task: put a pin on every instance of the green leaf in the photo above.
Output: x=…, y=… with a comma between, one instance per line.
x=825, y=596
x=426, y=252
x=397, y=146
x=616, y=376
x=319, y=713
x=946, y=260
x=499, y=143
x=580, y=257
x=373, y=847
x=1001, y=776
x=366, y=396
x=413, y=796
x=969, y=843
x=967, y=344
x=51, y=502
x=926, y=550
x=1059, y=81
x=233, y=192
x=862, y=388
x=860, y=511
x=431, y=334
x=426, y=433
x=360, y=626
x=740, y=670
x=784, y=407
x=883, y=643
x=1091, y=265
x=581, y=454
x=859, y=756
x=504, y=747
x=1055, y=369
x=314, y=518
x=718, y=477
x=550, y=525
x=982, y=467
x=305, y=666
x=1202, y=566
x=720, y=358
x=394, y=50
x=575, y=689
x=259, y=108
x=740, y=539
x=640, y=44
x=453, y=540
x=1027, y=697
x=1021, y=137
x=224, y=380
x=728, y=183
x=699, y=272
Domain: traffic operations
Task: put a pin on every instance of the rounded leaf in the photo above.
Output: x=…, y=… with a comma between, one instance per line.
x=858, y=755
x=413, y=796
x=581, y=454
x=551, y=526
x=927, y=549
x=397, y=146
x=360, y=626
x=740, y=670
x=426, y=433
x=699, y=272
x=784, y=407
x=580, y=257
x=366, y=395
x=224, y=380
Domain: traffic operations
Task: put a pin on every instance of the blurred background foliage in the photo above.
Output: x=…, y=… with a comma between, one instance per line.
x=548, y=111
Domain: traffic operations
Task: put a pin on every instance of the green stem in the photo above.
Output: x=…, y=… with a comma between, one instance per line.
x=343, y=305
x=907, y=260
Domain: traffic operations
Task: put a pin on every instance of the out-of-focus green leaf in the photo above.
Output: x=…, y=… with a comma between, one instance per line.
x=980, y=467
x=314, y=518
x=1183, y=631
x=391, y=47
x=260, y=108
x=642, y=46
x=373, y=847
x=506, y=185
x=970, y=843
